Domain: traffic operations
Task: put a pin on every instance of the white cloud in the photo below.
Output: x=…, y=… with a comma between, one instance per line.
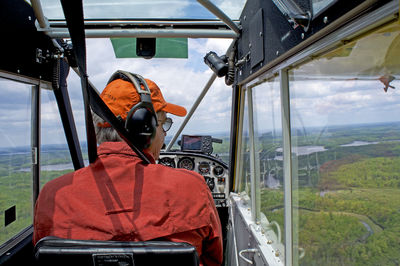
x=204, y=46
x=180, y=80
x=362, y=102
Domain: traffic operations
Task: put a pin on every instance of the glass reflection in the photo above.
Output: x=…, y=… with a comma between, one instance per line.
x=319, y=5
x=149, y=9
x=244, y=168
x=268, y=141
x=55, y=158
x=346, y=154
x=15, y=159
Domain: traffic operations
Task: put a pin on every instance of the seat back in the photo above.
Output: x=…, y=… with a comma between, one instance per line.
x=57, y=251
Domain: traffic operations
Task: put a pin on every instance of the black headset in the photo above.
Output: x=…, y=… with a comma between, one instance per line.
x=141, y=121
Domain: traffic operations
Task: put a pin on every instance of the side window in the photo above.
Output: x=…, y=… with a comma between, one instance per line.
x=345, y=134
x=243, y=173
x=76, y=98
x=268, y=149
x=55, y=158
x=15, y=158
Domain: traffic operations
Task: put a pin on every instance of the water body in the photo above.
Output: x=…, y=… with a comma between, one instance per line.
x=322, y=193
x=301, y=150
x=306, y=150
x=363, y=143
x=359, y=143
x=54, y=167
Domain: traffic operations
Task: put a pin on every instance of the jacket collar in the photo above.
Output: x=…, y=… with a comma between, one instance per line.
x=120, y=148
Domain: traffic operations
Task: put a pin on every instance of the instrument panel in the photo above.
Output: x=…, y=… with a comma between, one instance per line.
x=214, y=171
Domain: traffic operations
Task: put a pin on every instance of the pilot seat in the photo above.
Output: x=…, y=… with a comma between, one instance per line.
x=61, y=252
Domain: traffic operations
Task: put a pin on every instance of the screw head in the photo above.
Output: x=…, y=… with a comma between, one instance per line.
x=325, y=20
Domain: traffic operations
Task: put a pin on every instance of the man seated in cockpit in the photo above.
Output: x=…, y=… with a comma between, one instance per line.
x=118, y=197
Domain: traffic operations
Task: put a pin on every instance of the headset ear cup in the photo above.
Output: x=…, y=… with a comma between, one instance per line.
x=142, y=126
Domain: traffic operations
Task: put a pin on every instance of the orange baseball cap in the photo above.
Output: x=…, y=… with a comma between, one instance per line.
x=120, y=96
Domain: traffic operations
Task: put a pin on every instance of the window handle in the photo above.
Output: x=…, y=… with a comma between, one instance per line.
x=252, y=250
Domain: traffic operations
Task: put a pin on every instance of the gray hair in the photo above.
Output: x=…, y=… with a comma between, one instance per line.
x=106, y=134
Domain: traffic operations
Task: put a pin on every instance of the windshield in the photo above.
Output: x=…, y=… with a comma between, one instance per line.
x=146, y=9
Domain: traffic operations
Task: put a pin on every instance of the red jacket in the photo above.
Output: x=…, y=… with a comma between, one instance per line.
x=120, y=198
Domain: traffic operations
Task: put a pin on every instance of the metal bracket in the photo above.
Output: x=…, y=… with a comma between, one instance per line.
x=46, y=56
x=34, y=155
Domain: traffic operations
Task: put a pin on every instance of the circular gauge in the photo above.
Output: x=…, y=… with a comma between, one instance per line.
x=218, y=171
x=210, y=182
x=204, y=168
x=186, y=163
x=167, y=161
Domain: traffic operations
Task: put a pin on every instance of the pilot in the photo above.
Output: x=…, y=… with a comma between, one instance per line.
x=118, y=197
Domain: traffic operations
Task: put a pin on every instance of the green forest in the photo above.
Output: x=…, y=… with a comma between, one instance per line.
x=346, y=197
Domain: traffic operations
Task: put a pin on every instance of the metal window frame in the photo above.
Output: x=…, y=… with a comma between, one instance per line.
x=332, y=40
x=287, y=165
x=26, y=80
x=220, y=14
x=254, y=174
x=35, y=141
x=239, y=148
x=234, y=136
x=147, y=33
x=232, y=32
x=329, y=38
x=287, y=181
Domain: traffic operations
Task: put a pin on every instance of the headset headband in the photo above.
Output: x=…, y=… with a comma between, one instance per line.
x=141, y=120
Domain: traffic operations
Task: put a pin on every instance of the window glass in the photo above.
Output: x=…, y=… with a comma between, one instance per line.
x=15, y=158
x=55, y=158
x=244, y=156
x=268, y=142
x=76, y=99
x=345, y=130
x=318, y=5
x=149, y=9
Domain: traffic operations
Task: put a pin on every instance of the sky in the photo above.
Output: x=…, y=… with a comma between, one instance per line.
x=180, y=80
x=317, y=102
